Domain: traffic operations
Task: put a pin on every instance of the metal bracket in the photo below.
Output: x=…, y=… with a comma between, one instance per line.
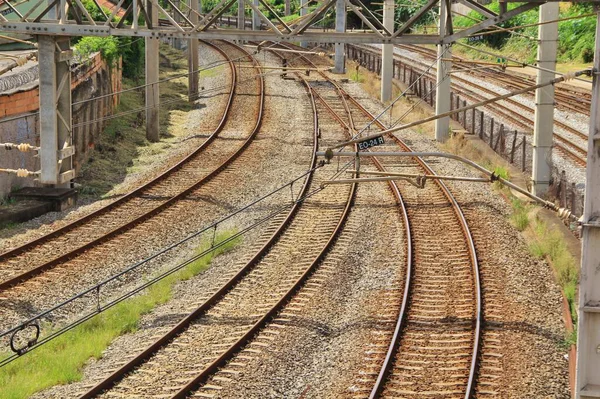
x=66, y=152
x=66, y=55
x=66, y=176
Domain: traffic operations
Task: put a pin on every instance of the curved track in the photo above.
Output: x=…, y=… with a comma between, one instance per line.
x=147, y=201
x=571, y=149
x=438, y=328
x=228, y=320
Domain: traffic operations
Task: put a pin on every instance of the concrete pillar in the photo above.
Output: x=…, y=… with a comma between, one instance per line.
x=152, y=90
x=255, y=17
x=442, y=99
x=241, y=17
x=340, y=26
x=54, y=54
x=544, y=100
x=587, y=382
x=177, y=42
x=193, y=56
x=387, y=53
x=303, y=12
x=288, y=8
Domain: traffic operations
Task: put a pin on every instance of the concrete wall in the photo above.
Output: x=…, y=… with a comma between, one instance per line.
x=89, y=80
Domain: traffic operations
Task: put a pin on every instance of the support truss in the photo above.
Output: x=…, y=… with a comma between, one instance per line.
x=70, y=18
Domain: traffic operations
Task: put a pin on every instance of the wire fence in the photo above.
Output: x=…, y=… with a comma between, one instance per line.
x=512, y=145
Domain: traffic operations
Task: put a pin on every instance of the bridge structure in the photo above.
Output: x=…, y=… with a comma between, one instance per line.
x=54, y=22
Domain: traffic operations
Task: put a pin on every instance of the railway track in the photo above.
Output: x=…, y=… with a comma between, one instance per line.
x=43, y=253
x=434, y=346
x=574, y=151
x=177, y=363
x=567, y=97
x=69, y=249
x=568, y=147
x=438, y=320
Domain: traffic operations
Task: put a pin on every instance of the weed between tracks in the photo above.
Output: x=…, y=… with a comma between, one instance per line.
x=61, y=361
x=544, y=242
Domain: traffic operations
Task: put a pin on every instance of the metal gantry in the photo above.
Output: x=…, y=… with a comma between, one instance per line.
x=55, y=21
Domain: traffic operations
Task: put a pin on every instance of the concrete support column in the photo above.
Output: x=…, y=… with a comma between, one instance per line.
x=177, y=42
x=255, y=17
x=442, y=94
x=193, y=56
x=54, y=54
x=587, y=383
x=152, y=90
x=241, y=16
x=544, y=100
x=340, y=26
x=387, y=53
x=303, y=12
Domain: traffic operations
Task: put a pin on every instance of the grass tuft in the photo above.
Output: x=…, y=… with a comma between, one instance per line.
x=61, y=360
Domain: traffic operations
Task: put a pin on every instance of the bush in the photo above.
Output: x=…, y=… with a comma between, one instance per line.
x=576, y=37
x=107, y=46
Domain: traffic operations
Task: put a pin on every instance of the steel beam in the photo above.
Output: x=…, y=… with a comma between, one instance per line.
x=387, y=53
x=255, y=16
x=55, y=111
x=442, y=96
x=340, y=27
x=544, y=100
x=51, y=29
x=152, y=88
x=303, y=13
x=193, y=56
x=241, y=15
x=587, y=384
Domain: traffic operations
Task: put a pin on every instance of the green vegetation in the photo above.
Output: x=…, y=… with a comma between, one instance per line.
x=123, y=148
x=111, y=48
x=549, y=244
x=544, y=243
x=520, y=216
x=576, y=42
x=61, y=361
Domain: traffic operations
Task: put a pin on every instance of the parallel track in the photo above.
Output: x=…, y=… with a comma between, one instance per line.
x=439, y=321
x=207, y=338
x=68, y=242
x=567, y=97
x=574, y=151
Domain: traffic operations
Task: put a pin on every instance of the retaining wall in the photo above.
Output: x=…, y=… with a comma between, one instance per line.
x=89, y=80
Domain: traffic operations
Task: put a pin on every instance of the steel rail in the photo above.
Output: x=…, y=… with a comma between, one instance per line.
x=563, y=144
x=211, y=368
x=260, y=324
x=507, y=114
x=10, y=282
x=394, y=344
x=377, y=389
x=515, y=80
x=218, y=295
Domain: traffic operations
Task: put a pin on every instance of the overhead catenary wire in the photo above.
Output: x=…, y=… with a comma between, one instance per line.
x=462, y=109
x=512, y=28
x=95, y=289
x=519, y=62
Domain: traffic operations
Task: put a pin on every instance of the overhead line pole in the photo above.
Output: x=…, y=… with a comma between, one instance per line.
x=544, y=100
x=587, y=384
x=152, y=75
x=340, y=26
x=387, y=53
x=442, y=91
x=193, y=54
